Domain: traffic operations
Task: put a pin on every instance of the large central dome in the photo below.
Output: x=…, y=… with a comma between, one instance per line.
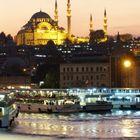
x=40, y=15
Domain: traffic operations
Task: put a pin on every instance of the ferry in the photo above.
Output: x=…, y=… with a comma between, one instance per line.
x=130, y=106
x=54, y=103
x=99, y=104
x=8, y=110
x=135, y=106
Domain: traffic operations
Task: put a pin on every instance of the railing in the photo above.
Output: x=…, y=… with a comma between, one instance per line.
x=85, y=91
x=3, y=104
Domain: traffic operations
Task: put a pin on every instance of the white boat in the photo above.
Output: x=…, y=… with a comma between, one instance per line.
x=8, y=110
x=65, y=104
x=98, y=106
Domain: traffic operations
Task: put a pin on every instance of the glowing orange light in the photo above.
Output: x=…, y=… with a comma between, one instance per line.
x=127, y=63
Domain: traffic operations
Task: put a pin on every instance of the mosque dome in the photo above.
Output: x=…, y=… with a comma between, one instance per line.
x=40, y=15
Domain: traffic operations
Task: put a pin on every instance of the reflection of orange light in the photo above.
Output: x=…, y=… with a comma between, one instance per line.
x=127, y=63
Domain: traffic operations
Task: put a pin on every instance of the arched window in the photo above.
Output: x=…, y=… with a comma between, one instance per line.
x=97, y=69
x=103, y=76
x=97, y=77
x=100, y=69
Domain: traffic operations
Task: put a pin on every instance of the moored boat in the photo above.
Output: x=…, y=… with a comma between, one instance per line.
x=136, y=106
x=48, y=103
x=8, y=110
x=98, y=106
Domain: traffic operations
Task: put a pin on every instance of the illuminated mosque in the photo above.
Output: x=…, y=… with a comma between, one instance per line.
x=41, y=28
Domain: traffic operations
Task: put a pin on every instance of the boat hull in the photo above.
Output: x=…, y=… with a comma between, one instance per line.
x=7, y=120
x=40, y=108
x=97, y=107
x=135, y=106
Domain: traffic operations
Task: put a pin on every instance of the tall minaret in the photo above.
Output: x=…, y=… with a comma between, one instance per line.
x=69, y=19
x=56, y=13
x=91, y=23
x=105, y=24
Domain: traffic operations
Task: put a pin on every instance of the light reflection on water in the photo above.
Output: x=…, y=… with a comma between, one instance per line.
x=118, y=124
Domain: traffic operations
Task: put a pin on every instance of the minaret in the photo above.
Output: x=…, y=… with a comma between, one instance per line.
x=118, y=38
x=69, y=19
x=105, y=24
x=91, y=23
x=56, y=13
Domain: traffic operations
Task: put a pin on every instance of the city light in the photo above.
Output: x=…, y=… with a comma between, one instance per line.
x=127, y=63
x=24, y=70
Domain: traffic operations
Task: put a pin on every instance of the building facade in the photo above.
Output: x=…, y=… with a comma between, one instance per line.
x=91, y=74
x=39, y=30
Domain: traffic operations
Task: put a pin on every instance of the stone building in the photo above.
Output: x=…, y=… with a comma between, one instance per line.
x=95, y=73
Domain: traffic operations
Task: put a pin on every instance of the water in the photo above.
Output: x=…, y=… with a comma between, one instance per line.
x=121, y=125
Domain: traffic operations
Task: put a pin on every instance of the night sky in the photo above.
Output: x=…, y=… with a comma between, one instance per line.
x=123, y=15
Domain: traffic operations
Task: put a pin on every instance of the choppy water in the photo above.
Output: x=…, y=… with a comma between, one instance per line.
x=116, y=125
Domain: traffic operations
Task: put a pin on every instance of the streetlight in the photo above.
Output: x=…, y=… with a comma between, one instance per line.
x=24, y=70
x=127, y=64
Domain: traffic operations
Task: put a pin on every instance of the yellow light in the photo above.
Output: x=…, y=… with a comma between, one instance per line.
x=40, y=31
x=127, y=63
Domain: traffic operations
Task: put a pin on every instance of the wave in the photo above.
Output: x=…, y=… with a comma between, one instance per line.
x=23, y=136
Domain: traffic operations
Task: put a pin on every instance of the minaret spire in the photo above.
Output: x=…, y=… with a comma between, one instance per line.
x=56, y=12
x=118, y=38
x=105, y=24
x=91, y=23
x=69, y=19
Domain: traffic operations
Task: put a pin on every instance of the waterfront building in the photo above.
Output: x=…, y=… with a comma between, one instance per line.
x=124, y=70
x=81, y=72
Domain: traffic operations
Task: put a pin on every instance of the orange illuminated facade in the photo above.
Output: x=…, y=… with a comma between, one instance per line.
x=41, y=28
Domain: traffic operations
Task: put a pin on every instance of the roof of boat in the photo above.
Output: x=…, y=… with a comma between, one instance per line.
x=5, y=92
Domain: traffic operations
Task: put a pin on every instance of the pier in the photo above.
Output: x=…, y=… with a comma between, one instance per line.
x=118, y=96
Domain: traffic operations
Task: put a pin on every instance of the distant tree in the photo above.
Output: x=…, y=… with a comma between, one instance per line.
x=67, y=42
x=51, y=80
x=2, y=38
x=126, y=37
x=96, y=36
x=54, y=56
x=111, y=39
x=49, y=73
x=9, y=38
x=13, y=69
x=6, y=40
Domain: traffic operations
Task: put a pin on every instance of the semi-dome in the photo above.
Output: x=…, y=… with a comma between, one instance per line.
x=40, y=15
